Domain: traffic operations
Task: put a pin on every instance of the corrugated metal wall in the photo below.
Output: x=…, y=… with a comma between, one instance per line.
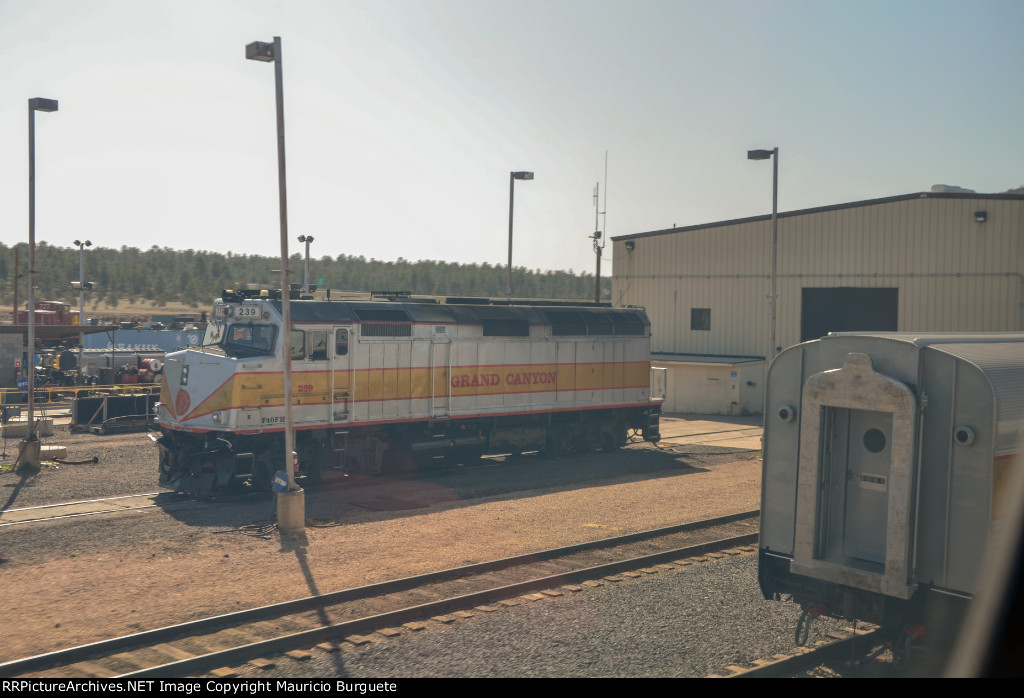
x=953, y=273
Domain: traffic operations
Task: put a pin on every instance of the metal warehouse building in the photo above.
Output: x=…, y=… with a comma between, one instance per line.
x=929, y=262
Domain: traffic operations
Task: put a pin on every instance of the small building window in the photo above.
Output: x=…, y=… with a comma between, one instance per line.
x=700, y=318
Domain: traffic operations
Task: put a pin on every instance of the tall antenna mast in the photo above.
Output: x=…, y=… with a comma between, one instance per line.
x=597, y=237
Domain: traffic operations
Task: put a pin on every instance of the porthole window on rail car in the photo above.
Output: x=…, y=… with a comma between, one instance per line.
x=316, y=346
x=874, y=441
x=341, y=342
x=298, y=343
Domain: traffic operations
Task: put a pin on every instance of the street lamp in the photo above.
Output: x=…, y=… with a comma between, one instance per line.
x=773, y=300
x=81, y=306
x=305, y=279
x=513, y=176
x=291, y=504
x=30, y=454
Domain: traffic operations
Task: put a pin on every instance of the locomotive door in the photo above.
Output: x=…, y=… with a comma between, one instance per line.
x=861, y=455
x=565, y=379
x=341, y=377
x=440, y=379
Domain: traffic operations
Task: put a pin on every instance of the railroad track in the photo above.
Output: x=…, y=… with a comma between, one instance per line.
x=89, y=507
x=851, y=645
x=200, y=646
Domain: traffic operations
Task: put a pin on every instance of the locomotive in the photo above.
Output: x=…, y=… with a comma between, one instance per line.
x=382, y=381
x=886, y=457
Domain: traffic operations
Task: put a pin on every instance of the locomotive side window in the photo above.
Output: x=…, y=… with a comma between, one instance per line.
x=317, y=345
x=298, y=344
x=341, y=342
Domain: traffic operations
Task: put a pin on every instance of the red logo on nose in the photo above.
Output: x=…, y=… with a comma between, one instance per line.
x=182, y=402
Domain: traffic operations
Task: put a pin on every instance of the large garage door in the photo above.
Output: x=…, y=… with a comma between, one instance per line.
x=847, y=309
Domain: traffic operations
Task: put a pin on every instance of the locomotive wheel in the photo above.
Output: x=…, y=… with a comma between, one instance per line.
x=312, y=456
x=558, y=443
x=314, y=474
x=614, y=439
x=466, y=455
x=398, y=459
x=262, y=474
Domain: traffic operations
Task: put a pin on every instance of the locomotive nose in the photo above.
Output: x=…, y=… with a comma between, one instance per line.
x=175, y=394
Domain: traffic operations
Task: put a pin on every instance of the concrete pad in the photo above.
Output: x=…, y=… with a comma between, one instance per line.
x=51, y=452
x=712, y=430
x=19, y=430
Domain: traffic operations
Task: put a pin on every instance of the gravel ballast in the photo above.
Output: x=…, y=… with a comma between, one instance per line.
x=691, y=622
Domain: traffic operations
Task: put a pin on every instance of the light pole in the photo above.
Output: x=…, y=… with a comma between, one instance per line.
x=773, y=300
x=291, y=504
x=30, y=454
x=596, y=237
x=81, y=306
x=305, y=279
x=513, y=176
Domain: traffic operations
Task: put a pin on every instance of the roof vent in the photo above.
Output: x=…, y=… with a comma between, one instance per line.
x=950, y=189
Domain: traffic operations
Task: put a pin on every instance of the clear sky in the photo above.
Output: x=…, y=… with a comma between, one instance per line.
x=404, y=117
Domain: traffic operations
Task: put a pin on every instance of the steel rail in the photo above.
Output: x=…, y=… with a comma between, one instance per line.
x=84, y=501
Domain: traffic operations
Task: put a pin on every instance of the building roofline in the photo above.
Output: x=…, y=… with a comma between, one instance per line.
x=822, y=209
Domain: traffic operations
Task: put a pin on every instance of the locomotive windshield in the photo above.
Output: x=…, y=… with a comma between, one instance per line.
x=247, y=339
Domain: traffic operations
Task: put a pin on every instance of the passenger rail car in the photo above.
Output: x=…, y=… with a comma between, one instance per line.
x=379, y=383
x=884, y=461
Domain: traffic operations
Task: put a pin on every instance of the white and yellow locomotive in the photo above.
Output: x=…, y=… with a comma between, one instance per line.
x=382, y=380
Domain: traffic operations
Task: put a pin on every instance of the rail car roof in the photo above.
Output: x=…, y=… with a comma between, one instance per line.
x=999, y=355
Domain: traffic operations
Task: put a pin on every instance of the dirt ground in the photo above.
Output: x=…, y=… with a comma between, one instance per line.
x=108, y=575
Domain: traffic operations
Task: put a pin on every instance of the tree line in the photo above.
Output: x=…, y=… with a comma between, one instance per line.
x=162, y=275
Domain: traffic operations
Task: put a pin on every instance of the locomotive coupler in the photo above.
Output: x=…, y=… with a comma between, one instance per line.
x=803, y=626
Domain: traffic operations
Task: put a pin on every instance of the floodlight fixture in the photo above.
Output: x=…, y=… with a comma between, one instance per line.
x=260, y=51
x=513, y=176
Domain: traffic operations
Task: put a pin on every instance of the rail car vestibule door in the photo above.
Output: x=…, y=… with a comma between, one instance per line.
x=857, y=468
x=855, y=482
x=341, y=376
